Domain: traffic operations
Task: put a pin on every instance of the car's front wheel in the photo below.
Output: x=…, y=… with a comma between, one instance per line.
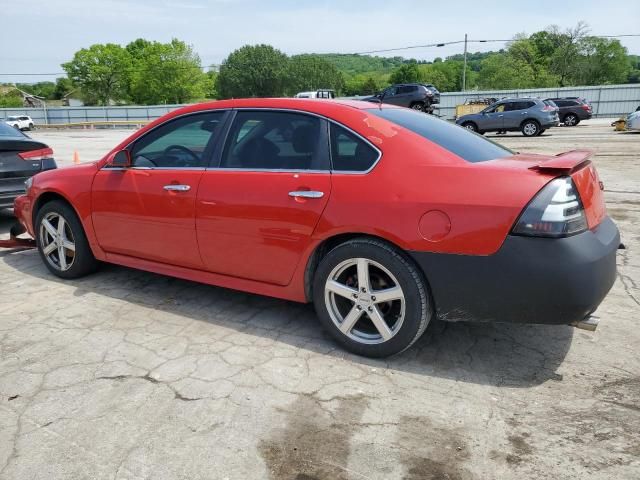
x=530, y=128
x=418, y=106
x=61, y=241
x=371, y=298
x=470, y=126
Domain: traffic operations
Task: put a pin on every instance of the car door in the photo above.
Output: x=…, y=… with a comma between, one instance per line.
x=148, y=210
x=392, y=96
x=513, y=112
x=256, y=211
x=492, y=118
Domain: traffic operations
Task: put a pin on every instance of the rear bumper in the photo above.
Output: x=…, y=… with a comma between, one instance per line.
x=7, y=198
x=529, y=280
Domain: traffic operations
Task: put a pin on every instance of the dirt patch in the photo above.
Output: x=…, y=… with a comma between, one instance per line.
x=315, y=441
x=432, y=452
x=520, y=447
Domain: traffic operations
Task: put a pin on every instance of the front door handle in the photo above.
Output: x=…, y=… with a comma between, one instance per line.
x=306, y=194
x=177, y=188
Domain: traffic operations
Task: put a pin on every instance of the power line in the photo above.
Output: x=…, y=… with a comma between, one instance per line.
x=368, y=52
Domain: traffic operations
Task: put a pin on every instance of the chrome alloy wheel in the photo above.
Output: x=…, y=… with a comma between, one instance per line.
x=530, y=129
x=56, y=241
x=365, y=301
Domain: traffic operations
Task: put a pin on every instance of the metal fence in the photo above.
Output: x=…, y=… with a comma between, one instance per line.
x=65, y=115
x=607, y=101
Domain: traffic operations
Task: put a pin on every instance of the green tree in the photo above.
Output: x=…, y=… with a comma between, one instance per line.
x=502, y=71
x=166, y=73
x=603, y=61
x=11, y=99
x=39, y=89
x=63, y=87
x=407, y=73
x=253, y=71
x=310, y=72
x=101, y=72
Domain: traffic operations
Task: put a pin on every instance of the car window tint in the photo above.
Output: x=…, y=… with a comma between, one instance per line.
x=459, y=141
x=276, y=141
x=180, y=143
x=349, y=152
x=510, y=106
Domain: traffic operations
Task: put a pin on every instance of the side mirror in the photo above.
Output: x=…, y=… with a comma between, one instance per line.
x=121, y=159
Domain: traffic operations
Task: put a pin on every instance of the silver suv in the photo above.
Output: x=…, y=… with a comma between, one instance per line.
x=531, y=116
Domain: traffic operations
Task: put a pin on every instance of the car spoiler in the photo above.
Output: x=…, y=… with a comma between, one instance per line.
x=566, y=162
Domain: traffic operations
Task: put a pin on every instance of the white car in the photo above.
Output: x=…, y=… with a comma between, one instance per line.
x=633, y=121
x=21, y=122
x=322, y=93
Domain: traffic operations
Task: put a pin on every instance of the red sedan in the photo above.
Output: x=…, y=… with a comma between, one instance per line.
x=384, y=217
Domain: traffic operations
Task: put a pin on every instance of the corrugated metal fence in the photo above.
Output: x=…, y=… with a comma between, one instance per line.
x=607, y=101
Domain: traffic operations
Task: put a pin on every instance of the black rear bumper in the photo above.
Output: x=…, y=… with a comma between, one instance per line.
x=529, y=280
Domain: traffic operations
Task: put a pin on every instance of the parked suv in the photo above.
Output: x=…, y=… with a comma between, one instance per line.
x=22, y=122
x=573, y=110
x=419, y=96
x=531, y=116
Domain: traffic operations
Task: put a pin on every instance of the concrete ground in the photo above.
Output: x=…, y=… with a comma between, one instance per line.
x=131, y=375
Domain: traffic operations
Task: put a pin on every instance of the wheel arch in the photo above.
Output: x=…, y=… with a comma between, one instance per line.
x=46, y=197
x=329, y=243
x=530, y=119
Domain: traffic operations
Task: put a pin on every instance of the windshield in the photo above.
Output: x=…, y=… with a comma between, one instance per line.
x=7, y=131
x=463, y=143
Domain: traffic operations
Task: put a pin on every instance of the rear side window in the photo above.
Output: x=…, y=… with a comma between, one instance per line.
x=265, y=140
x=459, y=141
x=350, y=153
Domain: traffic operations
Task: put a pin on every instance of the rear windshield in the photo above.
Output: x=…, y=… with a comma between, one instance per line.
x=463, y=143
x=7, y=131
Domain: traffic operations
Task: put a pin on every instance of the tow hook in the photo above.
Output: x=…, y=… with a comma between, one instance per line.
x=15, y=242
x=588, y=323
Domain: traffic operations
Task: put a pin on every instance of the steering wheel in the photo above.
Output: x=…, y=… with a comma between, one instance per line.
x=182, y=149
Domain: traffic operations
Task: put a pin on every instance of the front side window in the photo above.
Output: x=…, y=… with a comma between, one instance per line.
x=459, y=141
x=272, y=140
x=350, y=153
x=180, y=143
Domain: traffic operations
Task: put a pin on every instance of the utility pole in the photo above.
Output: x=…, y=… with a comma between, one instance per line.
x=464, y=69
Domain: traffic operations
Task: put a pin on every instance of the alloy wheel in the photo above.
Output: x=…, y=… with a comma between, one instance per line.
x=57, y=242
x=570, y=120
x=365, y=301
x=530, y=129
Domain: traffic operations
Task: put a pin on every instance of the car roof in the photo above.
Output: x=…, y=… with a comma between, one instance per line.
x=305, y=104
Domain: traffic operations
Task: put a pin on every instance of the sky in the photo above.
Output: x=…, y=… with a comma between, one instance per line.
x=39, y=35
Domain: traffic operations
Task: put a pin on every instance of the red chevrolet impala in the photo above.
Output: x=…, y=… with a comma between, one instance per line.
x=384, y=217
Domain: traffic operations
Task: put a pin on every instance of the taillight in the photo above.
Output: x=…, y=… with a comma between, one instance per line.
x=586, y=107
x=548, y=108
x=556, y=211
x=39, y=154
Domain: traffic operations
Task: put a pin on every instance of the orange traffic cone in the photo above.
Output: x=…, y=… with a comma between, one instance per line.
x=76, y=157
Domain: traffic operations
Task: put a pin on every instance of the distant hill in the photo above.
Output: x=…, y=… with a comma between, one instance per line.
x=353, y=64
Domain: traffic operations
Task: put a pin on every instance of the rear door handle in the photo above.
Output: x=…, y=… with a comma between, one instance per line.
x=306, y=194
x=177, y=188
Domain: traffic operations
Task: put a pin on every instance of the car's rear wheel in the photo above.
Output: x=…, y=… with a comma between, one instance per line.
x=30, y=127
x=61, y=241
x=571, y=120
x=542, y=130
x=371, y=298
x=470, y=126
x=530, y=128
x=418, y=106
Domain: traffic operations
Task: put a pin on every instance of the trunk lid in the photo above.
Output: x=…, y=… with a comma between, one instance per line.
x=575, y=163
x=14, y=170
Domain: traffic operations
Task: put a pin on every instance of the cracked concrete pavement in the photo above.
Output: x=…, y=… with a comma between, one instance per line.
x=132, y=375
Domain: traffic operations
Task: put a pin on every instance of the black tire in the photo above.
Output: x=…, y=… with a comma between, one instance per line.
x=16, y=127
x=418, y=309
x=470, y=126
x=83, y=261
x=530, y=128
x=571, y=120
x=419, y=106
x=542, y=130
x=30, y=127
